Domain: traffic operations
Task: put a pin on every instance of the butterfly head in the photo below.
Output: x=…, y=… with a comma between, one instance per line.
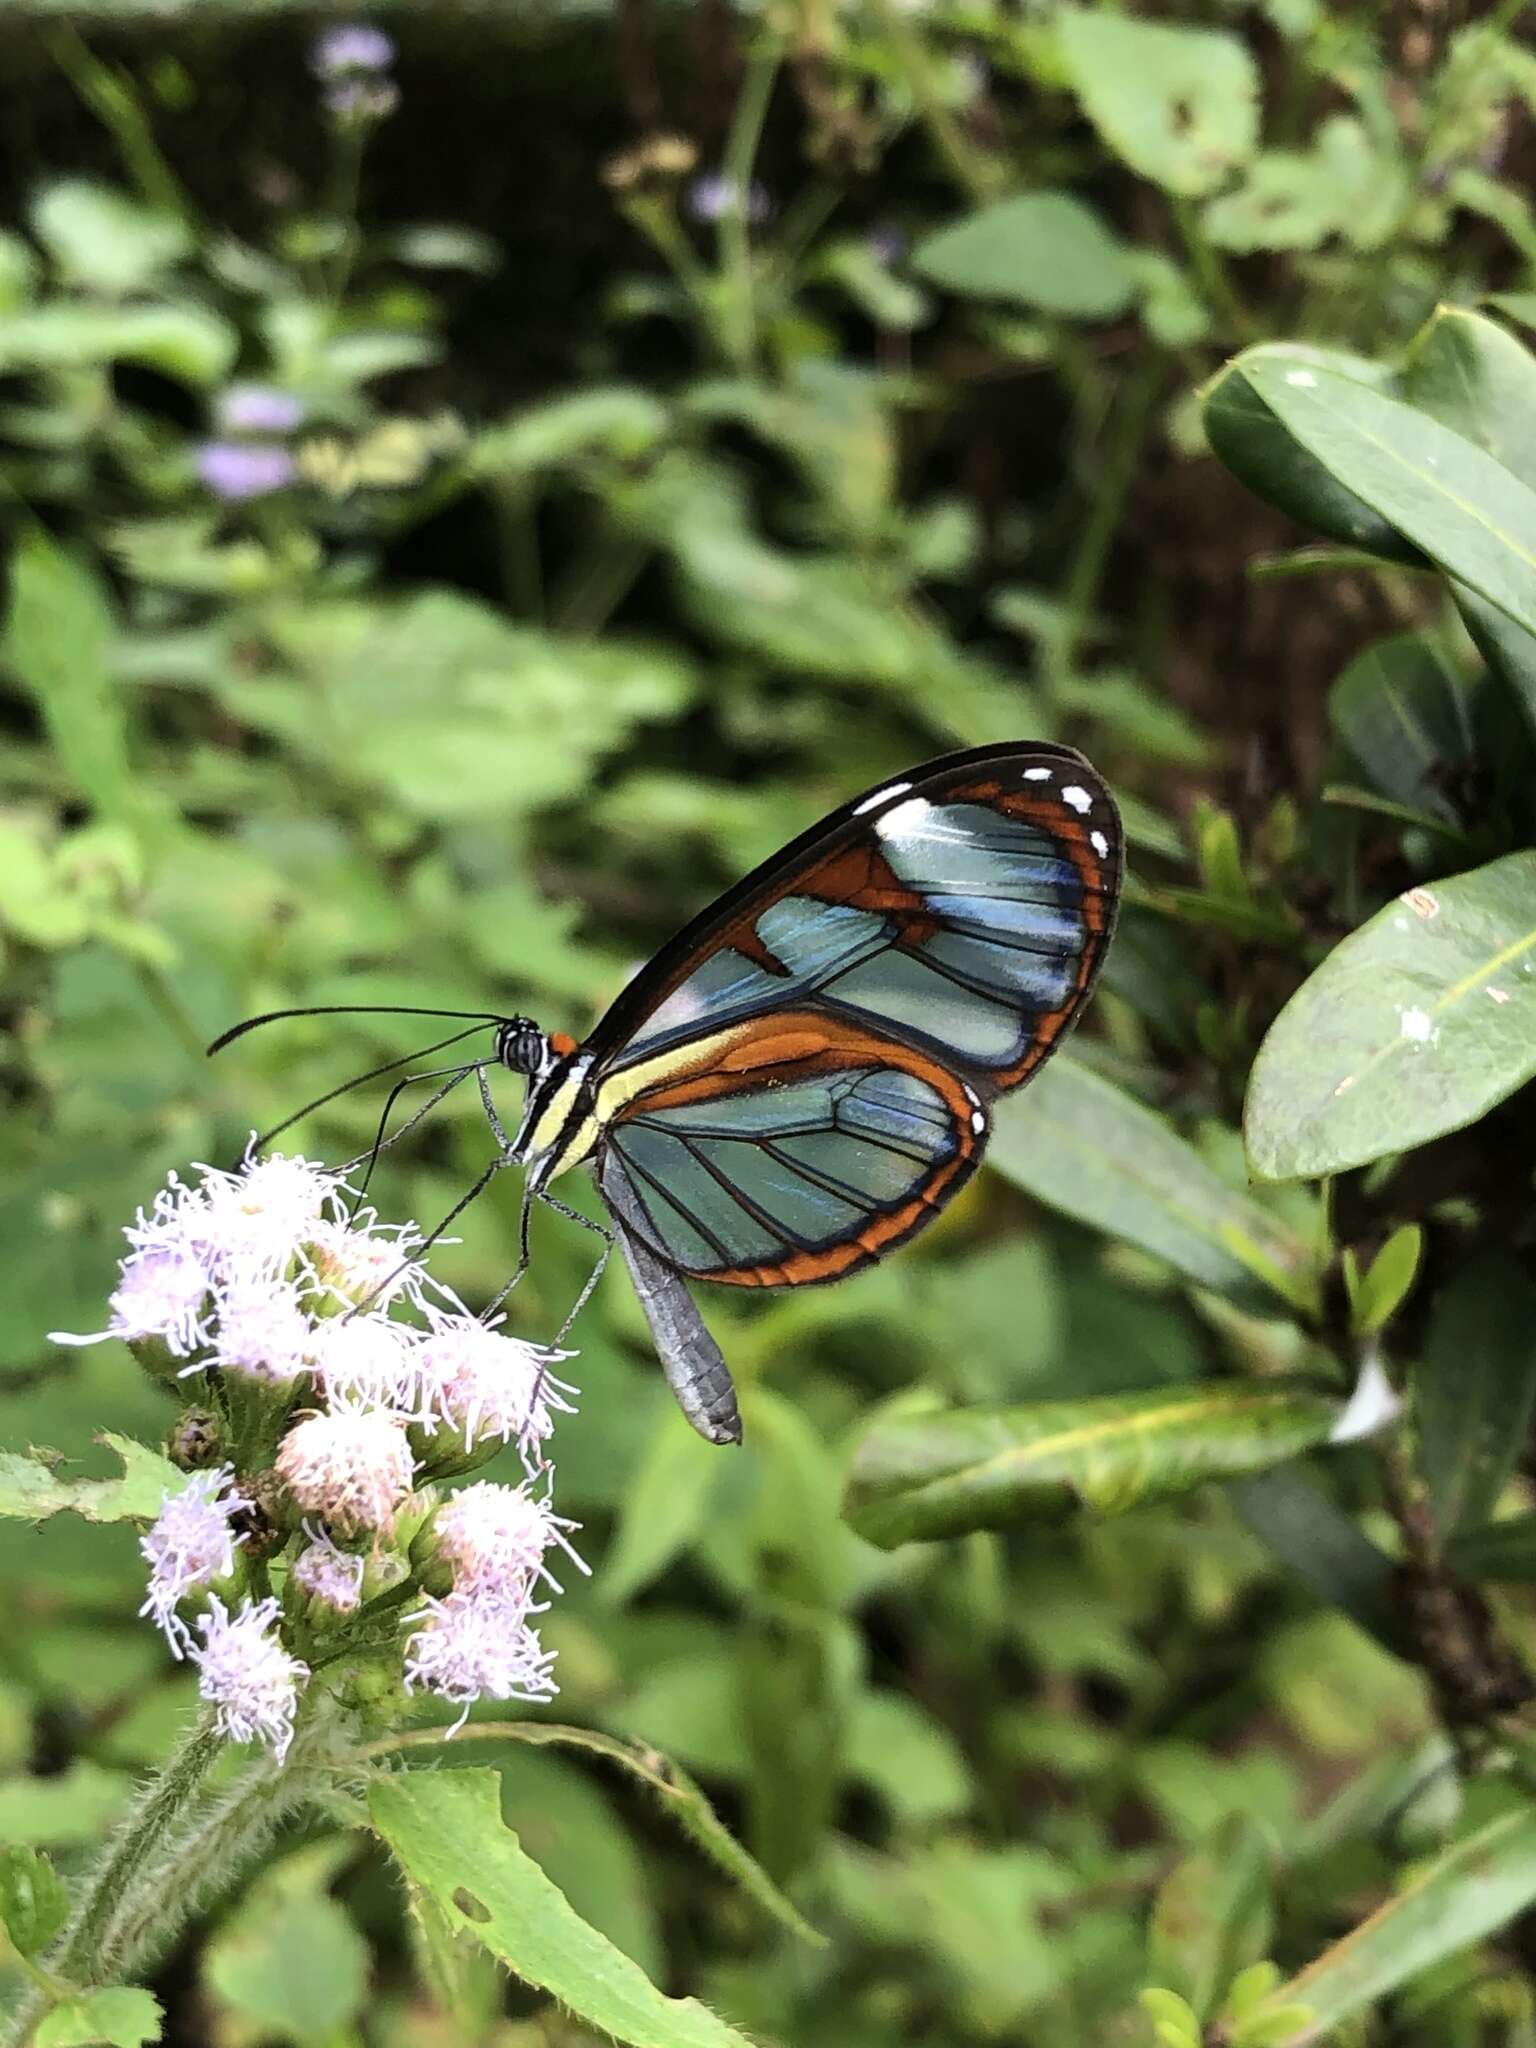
x=522, y=1048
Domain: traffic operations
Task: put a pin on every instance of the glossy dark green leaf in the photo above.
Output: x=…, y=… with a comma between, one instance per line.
x=1414, y=1025
x=1082, y=1145
x=1454, y=502
x=1179, y=104
x=1457, y=1899
x=1403, y=715
x=1261, y=450
x=1046, y=250
x=920, y=1477
x=1475, y=1388
x=446, y=1831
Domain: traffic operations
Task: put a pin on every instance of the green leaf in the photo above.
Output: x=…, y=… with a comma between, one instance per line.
x=33, y=1901
x=1082, y=1145
x=289, y=1958
x=679, y=1797
x=58, y=635
x=1174, y=2020
x=101, y=239
x=1377, y=1295
x=1212, y=1914
x=1261, y=450
x=665, y=1505
x=118, y=2016
x=1297, y=200
x=185, y=342
x=1475, y=1389
x=619, y=420
x=921, y=1477
x=1404, y=716
x=446, y=1830
x=1045, y=250
x=1502, y=1551
x=31, y=1489
x=909, y=1760
x=71, y=1807
x=1178, y=104
x=1461, y=507
x=1415, y=1025
x=1458, y=1899
x=1317, y=1540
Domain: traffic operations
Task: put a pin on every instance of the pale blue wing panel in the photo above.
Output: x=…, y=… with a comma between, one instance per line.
x=769, y=1176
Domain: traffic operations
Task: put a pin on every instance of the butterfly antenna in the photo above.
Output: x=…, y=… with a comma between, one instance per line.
x=357, y=1081
x=348, y=1010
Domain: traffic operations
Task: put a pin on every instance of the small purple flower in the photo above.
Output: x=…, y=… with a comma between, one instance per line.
x=236, y=470
x=484, y=1384
x=189, y=1545
x=330, y=1576
x=258, y=409
x=351, y=1466
x=887, y=244
x=496, y=1537
x=472, y=1644
x=714, y=195
x=246, y=1675
x=261, y=1330
x=351, y=46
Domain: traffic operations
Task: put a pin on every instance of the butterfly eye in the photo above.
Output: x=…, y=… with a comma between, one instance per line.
x=522, y=1047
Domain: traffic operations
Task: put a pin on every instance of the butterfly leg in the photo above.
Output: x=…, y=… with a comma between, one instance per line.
x=586, y=1222
x=380, y=1142
x=432, y=1237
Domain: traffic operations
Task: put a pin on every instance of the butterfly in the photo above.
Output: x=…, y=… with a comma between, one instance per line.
x=804, y=1076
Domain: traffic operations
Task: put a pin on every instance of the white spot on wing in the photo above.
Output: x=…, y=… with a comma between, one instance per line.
x=904, y=821
x=1100, y=844
x=1417, y=1026
x=978, y=1121
x=1079, y=799
x=1037, y=774
x=872, y=803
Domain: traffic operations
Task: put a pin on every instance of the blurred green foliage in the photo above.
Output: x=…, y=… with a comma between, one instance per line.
x=698, y=420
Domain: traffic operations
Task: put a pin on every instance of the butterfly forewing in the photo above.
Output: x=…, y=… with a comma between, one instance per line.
x=801, y=1079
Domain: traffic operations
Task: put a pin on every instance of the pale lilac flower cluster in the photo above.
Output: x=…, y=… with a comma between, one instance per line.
x=352, y=63
x=715, y=194
x=338, y=1382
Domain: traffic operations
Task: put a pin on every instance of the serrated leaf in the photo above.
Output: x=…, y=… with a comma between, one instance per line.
x=1458, y=1899
x=1475, y=1388
x=121, y=2017
x=1415, y=1025
x=1178, y=104
x=1082, y=1145
x=31, y=1489
x=1444, y=493
x=446, y=1830
x=1045, y=250
x=915, y=1478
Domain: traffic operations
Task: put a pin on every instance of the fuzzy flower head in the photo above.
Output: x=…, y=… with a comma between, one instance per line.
x=496, y=1538
x=261, y=1331
x=190, y=1544
x=329, y=1576
x=162, y=1291
x=261, y=1215
x=472, y=1644
x=247, y=1676
x=715, y=196
x=351, y=1466
x=360, y=1262
x=237, y=470
x=483, y=1384
x=366, y=1360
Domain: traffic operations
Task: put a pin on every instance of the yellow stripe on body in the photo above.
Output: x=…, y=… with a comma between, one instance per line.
x=616, y=1093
